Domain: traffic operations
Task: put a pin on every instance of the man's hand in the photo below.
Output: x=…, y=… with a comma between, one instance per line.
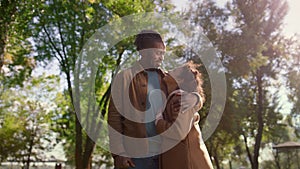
x=173, y=108
x=123, y=162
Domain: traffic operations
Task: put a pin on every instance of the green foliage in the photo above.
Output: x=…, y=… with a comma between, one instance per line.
x=122, y=8
x=292, y=63
x=10, y=133
x=16, y=63
x=25, y=115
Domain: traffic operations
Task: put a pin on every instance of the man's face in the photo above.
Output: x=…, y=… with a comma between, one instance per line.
x=152, y=57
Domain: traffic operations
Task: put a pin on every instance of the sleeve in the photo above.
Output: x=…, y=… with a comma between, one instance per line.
x=199, y=103
x=176, y=127
x=162, y=125
x=115, y=119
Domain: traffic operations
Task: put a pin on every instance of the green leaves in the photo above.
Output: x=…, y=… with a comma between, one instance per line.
x=25, y=115
x=16, y=62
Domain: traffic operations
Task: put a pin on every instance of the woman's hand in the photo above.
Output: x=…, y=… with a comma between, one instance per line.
x=181, y=101
x=184, y=101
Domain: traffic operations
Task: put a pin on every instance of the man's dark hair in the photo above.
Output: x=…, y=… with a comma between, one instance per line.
x=146, y=37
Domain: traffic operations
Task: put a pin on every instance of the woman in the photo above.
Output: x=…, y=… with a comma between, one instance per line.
x=182, y=129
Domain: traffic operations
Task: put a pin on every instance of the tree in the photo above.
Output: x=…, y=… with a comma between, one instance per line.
x=258, y=32
x=25, y=120
x=248, y=36
x=61, y=29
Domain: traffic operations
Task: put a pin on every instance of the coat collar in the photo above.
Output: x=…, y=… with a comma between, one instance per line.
x=138, y=68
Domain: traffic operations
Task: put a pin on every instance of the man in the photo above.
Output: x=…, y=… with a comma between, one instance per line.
x=131, y=118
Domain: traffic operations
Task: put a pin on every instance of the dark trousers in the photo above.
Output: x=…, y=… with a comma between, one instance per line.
x=145, y=163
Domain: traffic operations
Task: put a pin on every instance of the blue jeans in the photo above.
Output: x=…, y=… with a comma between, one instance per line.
x=145, y=163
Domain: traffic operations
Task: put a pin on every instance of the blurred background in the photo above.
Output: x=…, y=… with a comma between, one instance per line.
x=257, y=42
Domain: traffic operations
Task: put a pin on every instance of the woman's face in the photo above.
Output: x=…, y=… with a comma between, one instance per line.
x=185, y=78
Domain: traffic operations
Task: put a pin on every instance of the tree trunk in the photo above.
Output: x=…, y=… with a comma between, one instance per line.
x=3, y=38
x=277, y=160
x=78, y=128
x=29, y=151
x=216, y=160
x=258, y=136
x=87, y=156
x=2, y=44
x=78, y=145
x=248, y=150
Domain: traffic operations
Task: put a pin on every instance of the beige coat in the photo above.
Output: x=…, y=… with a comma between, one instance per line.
x=189, y=151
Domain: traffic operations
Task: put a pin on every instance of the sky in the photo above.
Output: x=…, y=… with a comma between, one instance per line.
x=291, y=21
